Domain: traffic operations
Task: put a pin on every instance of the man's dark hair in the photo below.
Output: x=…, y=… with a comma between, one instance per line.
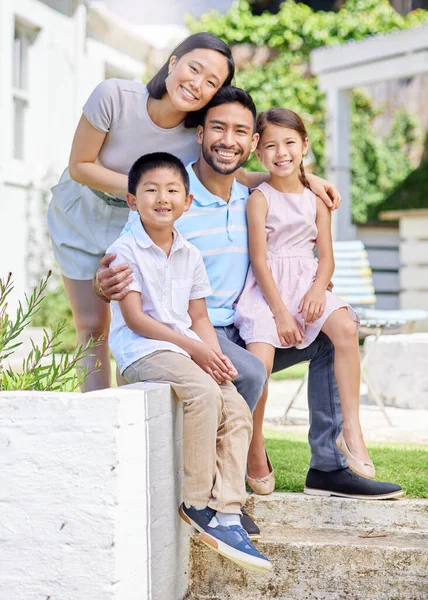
x=229, y=95
x=156, y=160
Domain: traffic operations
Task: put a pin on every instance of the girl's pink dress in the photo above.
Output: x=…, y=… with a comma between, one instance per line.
x=291, y=233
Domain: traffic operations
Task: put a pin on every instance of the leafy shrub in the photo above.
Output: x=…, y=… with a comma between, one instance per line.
x=56, y=307
x=42, y=369
x=378, y=163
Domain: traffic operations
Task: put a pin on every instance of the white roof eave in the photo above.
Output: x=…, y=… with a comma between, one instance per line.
x=373, y=49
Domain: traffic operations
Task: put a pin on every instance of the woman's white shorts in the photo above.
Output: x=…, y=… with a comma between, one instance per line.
x=82, y=226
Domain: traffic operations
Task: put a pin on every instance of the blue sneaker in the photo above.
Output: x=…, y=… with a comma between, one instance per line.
x=233, y=543
x=199, y=519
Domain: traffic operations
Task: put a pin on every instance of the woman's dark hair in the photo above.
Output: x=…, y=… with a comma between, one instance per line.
x=283, y=117
x=156, y=86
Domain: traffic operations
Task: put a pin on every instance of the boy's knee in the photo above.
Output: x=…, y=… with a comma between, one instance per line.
x=210, y=396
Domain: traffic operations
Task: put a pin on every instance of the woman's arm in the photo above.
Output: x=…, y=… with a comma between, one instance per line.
x=86, y=146
x=289, y=330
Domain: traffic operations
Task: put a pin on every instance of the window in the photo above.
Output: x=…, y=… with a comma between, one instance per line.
x=21, y=44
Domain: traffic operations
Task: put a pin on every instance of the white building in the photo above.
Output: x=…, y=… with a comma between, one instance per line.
x=52, y=54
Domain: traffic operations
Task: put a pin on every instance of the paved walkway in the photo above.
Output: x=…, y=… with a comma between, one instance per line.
x=409, y=426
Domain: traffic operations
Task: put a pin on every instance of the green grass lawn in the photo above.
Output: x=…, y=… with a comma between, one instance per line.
x=294, y=372
x=405, y=464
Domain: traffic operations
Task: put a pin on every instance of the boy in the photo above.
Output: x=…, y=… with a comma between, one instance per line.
x=161, y=332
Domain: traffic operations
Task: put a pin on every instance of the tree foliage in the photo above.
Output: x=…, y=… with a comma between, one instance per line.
x=379, y=163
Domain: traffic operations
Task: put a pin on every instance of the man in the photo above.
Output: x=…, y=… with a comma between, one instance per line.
x=216, y=224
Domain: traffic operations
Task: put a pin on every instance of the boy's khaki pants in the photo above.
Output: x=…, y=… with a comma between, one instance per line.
x=217, y=429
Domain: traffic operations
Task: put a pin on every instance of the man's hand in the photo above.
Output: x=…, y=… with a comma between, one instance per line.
x=290, y=332
x=212, y=362
x=111, y=283
x=312, y=305
x=330, y=286
x=326, y=190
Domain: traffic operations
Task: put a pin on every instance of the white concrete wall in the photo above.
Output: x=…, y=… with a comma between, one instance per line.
x=413, y=228
x=89, y=491
x=65, y=64
x=397, y=367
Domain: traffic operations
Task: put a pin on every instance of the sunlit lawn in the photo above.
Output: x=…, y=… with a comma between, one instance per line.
x=405, y=464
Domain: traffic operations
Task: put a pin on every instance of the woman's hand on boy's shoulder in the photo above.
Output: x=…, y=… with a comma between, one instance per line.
x=111, y=282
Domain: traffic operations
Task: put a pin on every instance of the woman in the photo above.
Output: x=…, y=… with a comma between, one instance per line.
x=121, y=121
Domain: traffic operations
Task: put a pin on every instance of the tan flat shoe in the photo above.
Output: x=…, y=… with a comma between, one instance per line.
x=357, y=465
x=263, y=485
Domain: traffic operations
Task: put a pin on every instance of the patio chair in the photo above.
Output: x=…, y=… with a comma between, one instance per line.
x=353, y=281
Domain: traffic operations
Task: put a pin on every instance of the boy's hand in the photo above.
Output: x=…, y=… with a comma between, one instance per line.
x=229, y=366
x=111, y=283
x=312, y=305
x=210, y=362
x=290, y=332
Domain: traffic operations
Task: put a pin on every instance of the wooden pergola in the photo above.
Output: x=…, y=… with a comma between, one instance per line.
x=343, y=67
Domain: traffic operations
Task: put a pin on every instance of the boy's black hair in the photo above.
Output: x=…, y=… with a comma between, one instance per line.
x=156, y=160
x=229, y=95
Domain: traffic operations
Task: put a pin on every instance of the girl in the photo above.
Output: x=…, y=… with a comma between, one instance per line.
x=285, y=301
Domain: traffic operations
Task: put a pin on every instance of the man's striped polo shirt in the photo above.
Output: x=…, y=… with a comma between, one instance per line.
x=219, y=230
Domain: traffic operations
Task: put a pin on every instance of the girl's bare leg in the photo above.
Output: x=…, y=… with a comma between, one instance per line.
x=343, y=333
x=92, y=319
x=257, y=463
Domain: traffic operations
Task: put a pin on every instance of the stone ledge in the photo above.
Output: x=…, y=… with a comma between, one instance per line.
x=322, y=564
x=303, y=511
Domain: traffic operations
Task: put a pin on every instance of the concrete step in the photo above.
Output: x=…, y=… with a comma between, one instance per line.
x=318, y=563
x=300, y=510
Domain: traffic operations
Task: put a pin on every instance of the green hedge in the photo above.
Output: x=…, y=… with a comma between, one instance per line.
x=379, y=164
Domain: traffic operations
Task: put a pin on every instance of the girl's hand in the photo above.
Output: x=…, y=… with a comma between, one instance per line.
x=290, y=332
x=312, y=305
x=211, y=362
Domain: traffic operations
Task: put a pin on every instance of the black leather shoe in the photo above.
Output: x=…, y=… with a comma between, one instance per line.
x=346, y=484
x=249, y=526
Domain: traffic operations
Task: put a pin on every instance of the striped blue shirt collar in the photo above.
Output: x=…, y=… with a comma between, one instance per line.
x=205, y=197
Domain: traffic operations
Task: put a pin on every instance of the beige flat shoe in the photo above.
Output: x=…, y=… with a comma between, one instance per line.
x=263, y=485
x=357, y=465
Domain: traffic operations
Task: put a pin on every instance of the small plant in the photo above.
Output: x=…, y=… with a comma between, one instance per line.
x=59, y=373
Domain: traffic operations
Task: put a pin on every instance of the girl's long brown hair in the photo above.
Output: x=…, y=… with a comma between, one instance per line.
x=283, y=117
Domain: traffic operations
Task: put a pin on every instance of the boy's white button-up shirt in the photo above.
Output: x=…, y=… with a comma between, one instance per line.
x=166, y=284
